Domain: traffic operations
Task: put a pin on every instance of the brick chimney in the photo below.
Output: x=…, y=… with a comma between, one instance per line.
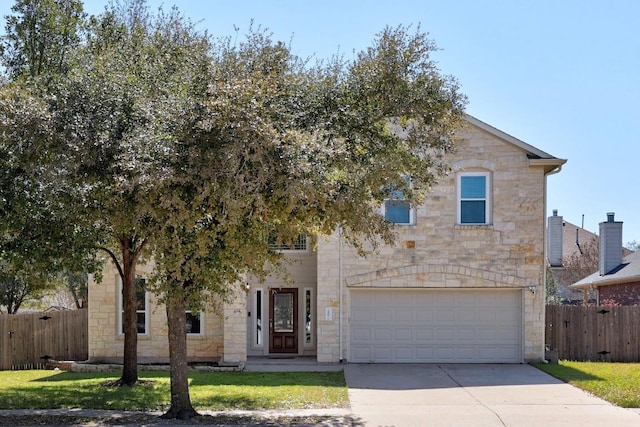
x=610, y=244
x=554, y=242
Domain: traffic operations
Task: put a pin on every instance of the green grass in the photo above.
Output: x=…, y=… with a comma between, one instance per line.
x=209, y=390
x=618, y=383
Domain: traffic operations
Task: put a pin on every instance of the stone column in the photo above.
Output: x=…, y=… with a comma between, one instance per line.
x=328, y=337
x=235, y=329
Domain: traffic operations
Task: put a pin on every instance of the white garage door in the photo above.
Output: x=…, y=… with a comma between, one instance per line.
x=436, y=326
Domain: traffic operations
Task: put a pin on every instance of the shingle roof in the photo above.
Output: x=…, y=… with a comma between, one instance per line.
x=628, y=271
x=569, y=245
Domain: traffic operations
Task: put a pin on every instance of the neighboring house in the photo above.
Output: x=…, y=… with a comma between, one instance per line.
x=463, y=283
x=617, y=281
x=573, y=254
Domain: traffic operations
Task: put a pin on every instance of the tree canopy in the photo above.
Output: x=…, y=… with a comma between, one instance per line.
x=190, y=150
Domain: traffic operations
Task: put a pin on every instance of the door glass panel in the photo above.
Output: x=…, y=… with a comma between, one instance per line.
x=283, y=312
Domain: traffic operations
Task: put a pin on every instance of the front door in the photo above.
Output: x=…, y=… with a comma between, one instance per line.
x=283, y=320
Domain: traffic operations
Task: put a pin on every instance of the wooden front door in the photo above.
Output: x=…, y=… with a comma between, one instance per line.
x=283, y=320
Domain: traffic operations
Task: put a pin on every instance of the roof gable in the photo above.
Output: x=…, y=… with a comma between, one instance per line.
x=536, y=156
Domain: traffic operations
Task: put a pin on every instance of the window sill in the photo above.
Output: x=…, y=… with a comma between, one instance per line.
x=140, y=337
x=473, y=227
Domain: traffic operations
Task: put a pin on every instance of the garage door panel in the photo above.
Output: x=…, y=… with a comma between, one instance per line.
x=467, y=334
x=402, y=299
x=436, y=326
x=469, y=317
x=423, y=335
x=361, y=353
x=404, y=355
x=361, y=315
x=382, y=335
x=403, y=316
x=445, y=315
x=404, y=334
x=424, y=353
x=361, y=335
x=382, y=353
x=445, y=334
x=384, y=315
x=424, y=316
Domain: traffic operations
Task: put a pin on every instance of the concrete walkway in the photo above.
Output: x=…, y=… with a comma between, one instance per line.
x=473, y=395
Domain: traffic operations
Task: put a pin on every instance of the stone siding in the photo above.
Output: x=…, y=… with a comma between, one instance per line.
x=106, y=343
x=436, y=252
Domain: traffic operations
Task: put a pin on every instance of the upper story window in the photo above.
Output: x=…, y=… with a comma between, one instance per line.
x=474, y=198
x=299, y=244
x=396, y=209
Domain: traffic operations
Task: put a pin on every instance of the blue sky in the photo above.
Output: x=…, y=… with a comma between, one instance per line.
x=559, y=75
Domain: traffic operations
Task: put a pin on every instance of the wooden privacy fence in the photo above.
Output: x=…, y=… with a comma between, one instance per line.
x=28, y=340
x=582, y=333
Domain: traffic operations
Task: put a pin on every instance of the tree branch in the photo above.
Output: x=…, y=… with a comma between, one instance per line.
x=115, y=260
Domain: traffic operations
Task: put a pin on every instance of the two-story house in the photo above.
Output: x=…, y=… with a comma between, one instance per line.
x=463, y=283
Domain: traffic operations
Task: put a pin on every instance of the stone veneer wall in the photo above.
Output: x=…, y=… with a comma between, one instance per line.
x=235, y=329
x=438, y=253
x=328, y=302
x=106, y=344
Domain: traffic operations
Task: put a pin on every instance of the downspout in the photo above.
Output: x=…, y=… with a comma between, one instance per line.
x=545, y=254
x=340, y=272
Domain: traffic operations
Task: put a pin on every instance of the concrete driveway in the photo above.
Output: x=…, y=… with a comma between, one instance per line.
x=473, y=395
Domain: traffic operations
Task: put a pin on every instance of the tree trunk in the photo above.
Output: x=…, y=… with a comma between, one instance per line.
x=129, y=318
x=181, y=407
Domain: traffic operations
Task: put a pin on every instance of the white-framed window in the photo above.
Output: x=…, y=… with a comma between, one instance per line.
x=309, y=312
x=194, y=322
x=396, y=209
x=298, y=245
x=142, y=307
x=474, y=198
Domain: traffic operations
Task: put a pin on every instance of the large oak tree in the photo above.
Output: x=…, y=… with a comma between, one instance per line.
x=192, y=151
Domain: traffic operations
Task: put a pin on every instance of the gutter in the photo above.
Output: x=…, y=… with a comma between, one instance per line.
x=605, y=282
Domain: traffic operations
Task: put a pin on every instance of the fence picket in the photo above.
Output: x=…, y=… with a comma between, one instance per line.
x=28, y=340
x=589, y=333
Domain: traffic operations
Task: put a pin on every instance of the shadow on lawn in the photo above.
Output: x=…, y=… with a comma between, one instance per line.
x=566, y=373
x=86, y=390
x=91, y=396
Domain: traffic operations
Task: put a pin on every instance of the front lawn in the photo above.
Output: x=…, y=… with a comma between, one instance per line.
x=618, y=383
x=209, y=390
